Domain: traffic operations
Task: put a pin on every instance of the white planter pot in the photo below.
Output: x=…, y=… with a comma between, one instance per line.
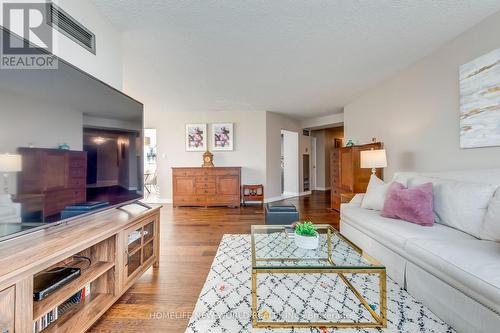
x=307, y=242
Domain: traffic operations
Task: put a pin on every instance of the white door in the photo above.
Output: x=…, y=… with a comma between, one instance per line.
x=313, y=163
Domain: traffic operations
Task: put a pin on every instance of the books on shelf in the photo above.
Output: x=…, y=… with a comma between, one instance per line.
x=60, y=310
x=45, y=320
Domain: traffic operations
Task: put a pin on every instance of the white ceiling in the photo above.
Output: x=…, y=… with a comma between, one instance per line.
x=69, y=88
x=302, y=58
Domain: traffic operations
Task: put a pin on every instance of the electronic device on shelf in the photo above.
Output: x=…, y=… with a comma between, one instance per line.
x=47, y=282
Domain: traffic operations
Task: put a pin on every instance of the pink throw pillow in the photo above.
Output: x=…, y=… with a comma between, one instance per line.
x=410, y=204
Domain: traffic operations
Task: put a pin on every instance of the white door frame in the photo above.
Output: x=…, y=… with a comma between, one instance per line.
x=313, y=168
x=291, y=163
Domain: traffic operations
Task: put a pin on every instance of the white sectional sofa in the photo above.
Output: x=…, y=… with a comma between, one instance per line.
x=452, y=272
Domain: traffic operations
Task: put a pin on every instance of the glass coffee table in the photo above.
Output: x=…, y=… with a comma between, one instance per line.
x=274, y=253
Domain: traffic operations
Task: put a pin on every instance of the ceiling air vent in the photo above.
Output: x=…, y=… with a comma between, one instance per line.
x=70, y=27
x=306, y=132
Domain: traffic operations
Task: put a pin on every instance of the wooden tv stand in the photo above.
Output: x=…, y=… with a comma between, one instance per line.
x=122, y=244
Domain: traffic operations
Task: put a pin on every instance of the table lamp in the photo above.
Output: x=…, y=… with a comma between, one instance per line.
x=9, y=163
x=373, y=159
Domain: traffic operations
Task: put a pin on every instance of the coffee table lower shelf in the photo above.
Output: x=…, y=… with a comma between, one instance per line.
x=380, y=320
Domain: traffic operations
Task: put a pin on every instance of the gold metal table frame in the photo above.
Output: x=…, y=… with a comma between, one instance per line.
x=380, y=320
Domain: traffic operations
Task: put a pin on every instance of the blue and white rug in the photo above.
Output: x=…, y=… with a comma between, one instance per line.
x=224, y=304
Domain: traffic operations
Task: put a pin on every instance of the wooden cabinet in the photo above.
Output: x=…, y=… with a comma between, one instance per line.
x=206, y=186
x=58, y=175
x=141, y=248
x=103, y=238
x=346, y=175
x=7, y=310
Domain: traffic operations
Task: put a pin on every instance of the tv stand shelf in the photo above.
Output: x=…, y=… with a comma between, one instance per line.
x=82, y=316
x=92, y=273
x=104, y=238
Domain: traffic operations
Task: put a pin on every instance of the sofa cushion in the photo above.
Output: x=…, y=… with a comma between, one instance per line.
x=413, y=205
x=457, y=204
x=490, y=230
x=375, y=194
x=394, y=233
x=472, y=266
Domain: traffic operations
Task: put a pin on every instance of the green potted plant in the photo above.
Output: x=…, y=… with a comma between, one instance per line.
x=306, y=236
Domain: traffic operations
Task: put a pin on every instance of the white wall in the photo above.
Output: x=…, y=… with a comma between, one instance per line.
x=325, y=121
x=106, y=64
x=290, y=162
x=416, y=113
x=26, y=121
x=249, y=145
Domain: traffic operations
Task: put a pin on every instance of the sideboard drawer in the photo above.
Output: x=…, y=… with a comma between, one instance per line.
x=205, y=190
x=205, y=179
x=7, y=309
x=205, y=185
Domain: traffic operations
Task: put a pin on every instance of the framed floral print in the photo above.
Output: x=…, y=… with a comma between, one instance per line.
x=196, y=137
x=222, y=137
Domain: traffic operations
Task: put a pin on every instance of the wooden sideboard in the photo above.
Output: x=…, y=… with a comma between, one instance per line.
x=214, y=186
x=346, y=175
x=121, y=243
x=58, y=175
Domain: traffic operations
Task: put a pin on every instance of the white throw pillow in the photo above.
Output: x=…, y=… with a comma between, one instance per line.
x=491, y=226
x=375, y=194
x=457, y=204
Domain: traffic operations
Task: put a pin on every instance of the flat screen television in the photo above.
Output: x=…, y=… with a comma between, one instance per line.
x=70, y=145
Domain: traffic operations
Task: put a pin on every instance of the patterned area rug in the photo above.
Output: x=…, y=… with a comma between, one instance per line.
x=224, y=304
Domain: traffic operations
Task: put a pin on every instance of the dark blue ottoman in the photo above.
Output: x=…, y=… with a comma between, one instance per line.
x=281, y=214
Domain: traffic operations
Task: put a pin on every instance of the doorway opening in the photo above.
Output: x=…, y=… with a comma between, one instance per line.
x=323, y=143
x=151, y=190
x=289, y=163
x=313, y=163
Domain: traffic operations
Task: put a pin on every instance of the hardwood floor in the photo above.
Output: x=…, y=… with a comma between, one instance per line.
x=164, y=297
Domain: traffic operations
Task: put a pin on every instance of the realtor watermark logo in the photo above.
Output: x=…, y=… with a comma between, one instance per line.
x=31, y=42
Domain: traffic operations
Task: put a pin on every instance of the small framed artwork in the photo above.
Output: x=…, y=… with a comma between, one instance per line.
x=222, y=136
x=196, y=137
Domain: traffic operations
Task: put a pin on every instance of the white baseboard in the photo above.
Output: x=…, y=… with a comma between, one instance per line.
x=287, y=195
x=273, y=199
x=158, y=200
x=322, y=188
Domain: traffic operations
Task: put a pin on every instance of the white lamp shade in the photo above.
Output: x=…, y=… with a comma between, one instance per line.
x=10, y=163
x=373, y=159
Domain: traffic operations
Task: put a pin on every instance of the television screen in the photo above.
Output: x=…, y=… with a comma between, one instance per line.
x=69, y=145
